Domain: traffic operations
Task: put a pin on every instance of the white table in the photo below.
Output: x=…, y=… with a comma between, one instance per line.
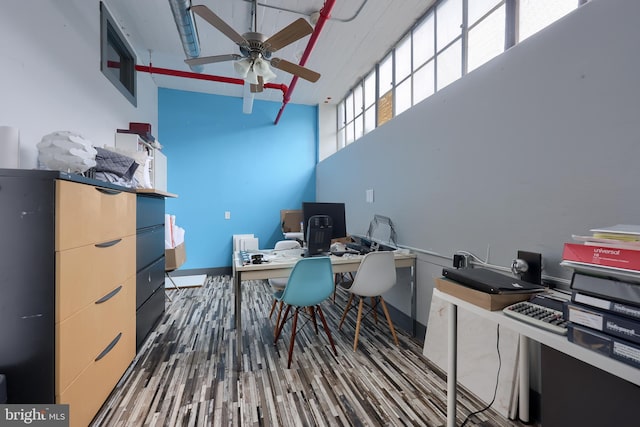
x=527, y=332
x=281, y=267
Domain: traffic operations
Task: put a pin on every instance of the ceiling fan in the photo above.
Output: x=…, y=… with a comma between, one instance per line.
x=252, y=64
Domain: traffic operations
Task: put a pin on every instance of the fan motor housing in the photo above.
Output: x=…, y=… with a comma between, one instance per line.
x=256, y=45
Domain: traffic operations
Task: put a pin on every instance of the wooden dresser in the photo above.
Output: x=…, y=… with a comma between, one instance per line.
x=69, y=328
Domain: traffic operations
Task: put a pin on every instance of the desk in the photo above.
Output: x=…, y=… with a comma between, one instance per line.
x=281, y=267
x=527, y=332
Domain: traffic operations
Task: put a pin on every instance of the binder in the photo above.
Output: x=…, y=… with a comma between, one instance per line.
x=617, y=326
x=606, y=287
x=614, y=307
x=624, y=351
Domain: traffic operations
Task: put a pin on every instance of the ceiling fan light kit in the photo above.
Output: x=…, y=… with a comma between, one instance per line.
x=255, y=50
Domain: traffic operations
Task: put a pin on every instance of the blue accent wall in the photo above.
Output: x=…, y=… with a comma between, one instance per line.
x=220, y=159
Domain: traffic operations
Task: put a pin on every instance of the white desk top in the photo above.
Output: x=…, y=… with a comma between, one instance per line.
x=555, y=341
x=288, y=257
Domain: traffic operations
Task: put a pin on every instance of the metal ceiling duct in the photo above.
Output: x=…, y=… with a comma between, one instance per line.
x=187, y=30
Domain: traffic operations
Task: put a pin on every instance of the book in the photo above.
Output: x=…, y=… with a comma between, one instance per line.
x=620, y=230
x=613, y=243
x=611, y=324
x=606, y=287
x=618, y=257
x=615, y=307
x=609, y=346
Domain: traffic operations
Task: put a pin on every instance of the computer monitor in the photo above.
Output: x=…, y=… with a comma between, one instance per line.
x=334, y=210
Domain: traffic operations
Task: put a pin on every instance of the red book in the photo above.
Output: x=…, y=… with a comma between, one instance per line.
x=605, y=256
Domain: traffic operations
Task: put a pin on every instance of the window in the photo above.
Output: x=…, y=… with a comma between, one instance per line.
x=448, y=22
x=423, y=82
x=453, y=38
x=370, y=102
x=423, y=37
x=486, y=32
x=117, y=60
x=537, y=14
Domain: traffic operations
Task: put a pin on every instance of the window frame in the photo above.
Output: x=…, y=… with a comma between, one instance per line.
x=111, y=38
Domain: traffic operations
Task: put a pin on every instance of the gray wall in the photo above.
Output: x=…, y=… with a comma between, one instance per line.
x=538, y=144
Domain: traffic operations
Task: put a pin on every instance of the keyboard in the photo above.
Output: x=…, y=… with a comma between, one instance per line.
x=537, y=315
x=361, y=249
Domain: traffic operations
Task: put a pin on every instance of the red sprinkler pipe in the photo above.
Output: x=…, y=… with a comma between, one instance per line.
x=187, y=74
x=325, y=14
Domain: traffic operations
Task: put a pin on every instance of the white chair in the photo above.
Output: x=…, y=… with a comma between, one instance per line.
x=375, y=276
x=278, y=284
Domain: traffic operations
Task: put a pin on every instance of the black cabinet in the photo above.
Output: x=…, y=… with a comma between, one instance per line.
x=150, y=296
x=27, y=291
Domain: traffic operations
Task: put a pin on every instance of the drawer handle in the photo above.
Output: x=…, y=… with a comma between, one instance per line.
x=108, y=191
x=110, y=295
x=109, y=347
x=108, y=244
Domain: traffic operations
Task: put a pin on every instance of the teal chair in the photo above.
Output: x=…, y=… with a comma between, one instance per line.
x=310, y=283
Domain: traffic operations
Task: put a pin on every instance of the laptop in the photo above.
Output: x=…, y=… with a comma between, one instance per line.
x=489, y=281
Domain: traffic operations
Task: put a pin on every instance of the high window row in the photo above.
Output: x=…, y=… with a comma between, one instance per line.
x=452, y=39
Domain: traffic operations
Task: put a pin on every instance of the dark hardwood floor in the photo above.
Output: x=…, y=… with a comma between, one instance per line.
x=184, y=373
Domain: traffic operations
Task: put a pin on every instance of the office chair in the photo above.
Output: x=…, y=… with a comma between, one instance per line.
x=310, y=283
x=376, y=275
x=279, y=283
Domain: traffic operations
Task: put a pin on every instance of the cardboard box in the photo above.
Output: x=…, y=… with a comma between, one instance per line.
x=491, y=302
x=174, y=258
x=290, y=220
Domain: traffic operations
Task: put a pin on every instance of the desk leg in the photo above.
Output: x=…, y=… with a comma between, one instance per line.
x=523, y=368
x=414, y=322
x=238, y=314
x=452, y=373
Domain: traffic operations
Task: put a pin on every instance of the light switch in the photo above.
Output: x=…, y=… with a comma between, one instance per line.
x=227, y=215
x=369, y=195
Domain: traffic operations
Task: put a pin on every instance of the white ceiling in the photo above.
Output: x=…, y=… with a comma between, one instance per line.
x=347, y=49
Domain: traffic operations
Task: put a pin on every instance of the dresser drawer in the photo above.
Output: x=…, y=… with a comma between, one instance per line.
x=148, y=280
x=87, y=273
x=83, y=336
x=148, y=314
x=150, y=246
x=86, y=394
x=87, y=214
x=149, y=211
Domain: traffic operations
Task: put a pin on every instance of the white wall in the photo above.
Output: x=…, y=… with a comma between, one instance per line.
x=50, y=77
x=538, y=144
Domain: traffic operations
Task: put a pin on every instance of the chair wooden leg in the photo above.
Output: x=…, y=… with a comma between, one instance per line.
x=279, y=314
x=346, y=310
x=280, y=324
x=375, y=312
x=355, y=340
x=326, y=329
x=312, y=313
x=273, y=307
x=386, y=313
x=293, y=336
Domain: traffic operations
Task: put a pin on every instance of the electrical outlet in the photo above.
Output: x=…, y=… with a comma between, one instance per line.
x=227, y=215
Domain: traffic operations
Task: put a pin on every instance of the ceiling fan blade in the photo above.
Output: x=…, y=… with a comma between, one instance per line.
x=295, y=69
x=213, y=19
x=289, y=34
x=212, y=59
